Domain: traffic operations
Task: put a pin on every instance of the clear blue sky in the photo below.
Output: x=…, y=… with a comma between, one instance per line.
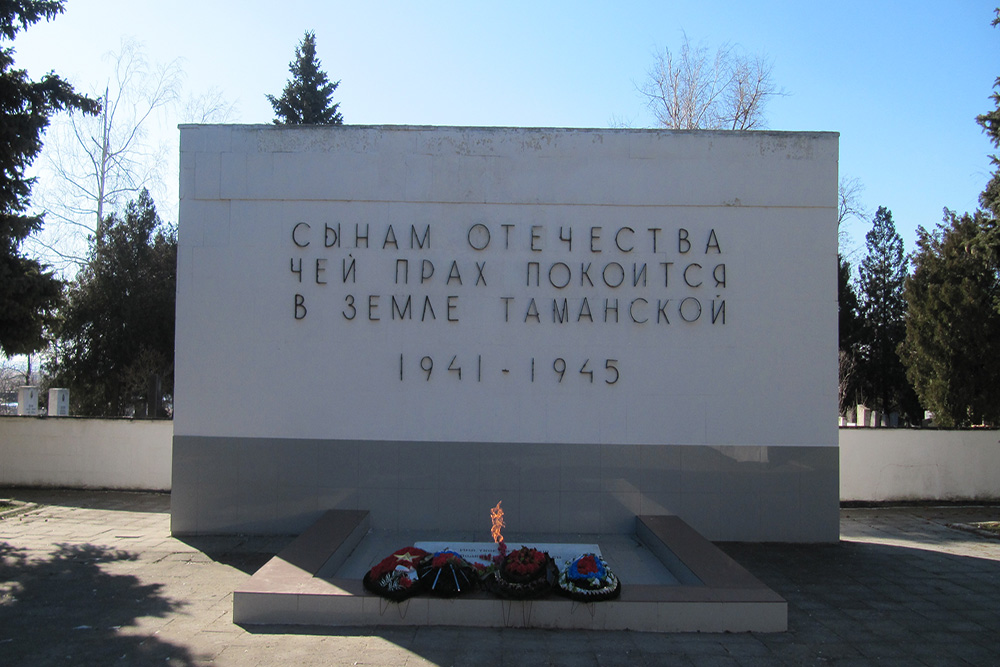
x=901, y=82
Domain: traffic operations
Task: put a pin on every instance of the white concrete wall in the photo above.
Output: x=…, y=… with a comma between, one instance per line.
x=694, y=271
x=878, y=464
x=875, y=464
x=85, y=453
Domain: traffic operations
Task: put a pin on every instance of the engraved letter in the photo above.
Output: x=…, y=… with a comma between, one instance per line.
x=560, y=315
x=661, y=311
x=479, y=236
x=426, y=270
x=719, y=273
x=535, y=236
x=406, y=270
x=532, y=311
x=608, y=308
x=618, y=241
x=554, y=281
x=618, y=269
x=390, y=237
x=300, y=306
x=406, y=313
x=335, y=232
x=295, y=239
x=638, y=274
x=414, y=239
x=359, y=237
x=454, y=273
x=350, y=270
x=654, y=231
x=666, y=273
x=686, y=280
x=631, y=311
x=696, y=306
x=427, y=306
x=537, y=271
x=506, y=235
x=713, y=242
x=568, y=238
x=683, y=244
x=719, y=312
x=595, y=236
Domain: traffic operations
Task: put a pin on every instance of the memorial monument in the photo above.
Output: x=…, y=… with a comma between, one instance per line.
x=588, y=325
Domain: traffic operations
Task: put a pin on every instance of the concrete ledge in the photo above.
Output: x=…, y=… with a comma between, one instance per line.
x=715, y=595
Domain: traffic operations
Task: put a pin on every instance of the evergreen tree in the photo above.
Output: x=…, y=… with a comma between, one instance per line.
x=882, y=277
x=990, y=122
x=117, y=329
x=307, y=95
x=849, y=337
x=29, y=292
x=952, y=345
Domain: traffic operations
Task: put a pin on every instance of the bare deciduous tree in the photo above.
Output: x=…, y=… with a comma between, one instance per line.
x=94, y=163
x=694, y=89
x=849, y=206
x=849, y=200
x=209, y=107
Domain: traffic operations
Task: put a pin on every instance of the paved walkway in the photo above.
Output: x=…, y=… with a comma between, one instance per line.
x=94, y=578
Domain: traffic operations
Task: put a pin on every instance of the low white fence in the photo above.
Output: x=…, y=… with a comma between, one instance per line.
x=86, y=453
x=876, y=464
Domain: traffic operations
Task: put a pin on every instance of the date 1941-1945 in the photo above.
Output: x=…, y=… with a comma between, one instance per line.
x=536, y=369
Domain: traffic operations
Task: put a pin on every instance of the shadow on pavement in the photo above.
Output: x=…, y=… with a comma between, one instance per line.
x=156, y=502
x=246, y=553
x=66, y=608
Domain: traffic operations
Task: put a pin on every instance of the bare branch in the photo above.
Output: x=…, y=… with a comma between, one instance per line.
x=94, y=163
x=693, y=91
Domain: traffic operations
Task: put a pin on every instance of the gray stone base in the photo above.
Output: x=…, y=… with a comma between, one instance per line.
x=312, y=582
x=281, y=486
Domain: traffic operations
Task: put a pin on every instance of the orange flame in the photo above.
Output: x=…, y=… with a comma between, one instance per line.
x=496, y=515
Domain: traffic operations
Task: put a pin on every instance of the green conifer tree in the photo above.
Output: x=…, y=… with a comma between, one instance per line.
x=29, y=292
x=117, y=328
x=306, y=99
x=882, y=278
x=952, y=345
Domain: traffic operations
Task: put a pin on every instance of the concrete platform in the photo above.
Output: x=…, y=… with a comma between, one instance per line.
x=673, y=580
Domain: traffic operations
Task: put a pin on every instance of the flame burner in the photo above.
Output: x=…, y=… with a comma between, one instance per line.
x=496, y=516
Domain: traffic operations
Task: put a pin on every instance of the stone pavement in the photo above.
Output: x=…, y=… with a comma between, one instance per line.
x=94, y=578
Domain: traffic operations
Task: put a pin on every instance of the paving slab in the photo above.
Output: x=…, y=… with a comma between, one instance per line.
x=93, y=577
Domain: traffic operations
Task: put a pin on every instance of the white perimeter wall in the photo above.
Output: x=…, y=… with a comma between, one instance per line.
x=85, y=453
x=902, y=464
x=875, y=464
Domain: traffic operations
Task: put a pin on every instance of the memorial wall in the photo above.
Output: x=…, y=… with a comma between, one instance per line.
x=584, y=324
